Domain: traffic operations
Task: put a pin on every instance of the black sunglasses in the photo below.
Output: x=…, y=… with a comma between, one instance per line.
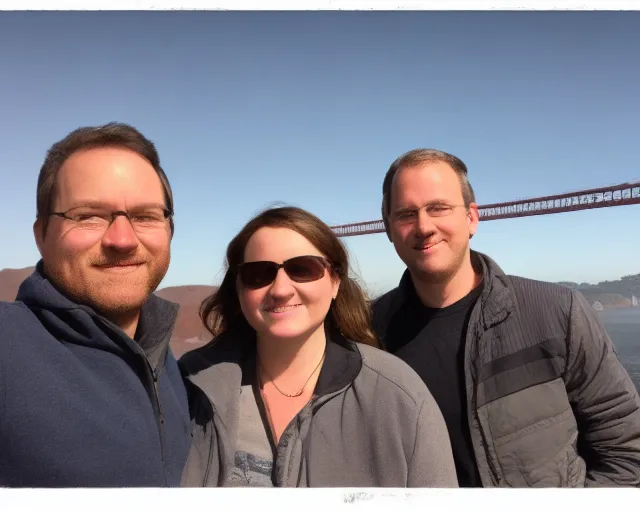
x=301, y=269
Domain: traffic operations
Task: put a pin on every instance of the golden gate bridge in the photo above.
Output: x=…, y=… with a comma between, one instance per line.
x=603, y=197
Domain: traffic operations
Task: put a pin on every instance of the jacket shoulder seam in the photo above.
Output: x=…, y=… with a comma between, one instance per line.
x=394, y=383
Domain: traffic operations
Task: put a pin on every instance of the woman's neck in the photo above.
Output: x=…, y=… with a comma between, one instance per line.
x=290, y=361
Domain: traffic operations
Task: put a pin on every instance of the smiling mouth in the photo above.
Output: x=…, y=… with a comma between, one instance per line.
x=120, y=266
x=282, y=309
x=426, y=246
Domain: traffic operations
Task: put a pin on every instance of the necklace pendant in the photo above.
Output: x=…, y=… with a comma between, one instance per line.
x=303, y=386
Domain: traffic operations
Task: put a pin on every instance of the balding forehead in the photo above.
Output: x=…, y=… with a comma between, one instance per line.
x=111, y=176
x=425, y=182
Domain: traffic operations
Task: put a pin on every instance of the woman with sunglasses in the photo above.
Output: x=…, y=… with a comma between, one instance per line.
x=291, y=391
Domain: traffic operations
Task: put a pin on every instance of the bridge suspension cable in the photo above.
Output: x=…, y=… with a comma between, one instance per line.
x=614, y=195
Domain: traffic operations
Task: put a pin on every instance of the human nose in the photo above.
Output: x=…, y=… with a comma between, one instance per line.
x=424, y=224
x=120, y=235
x=282, y=287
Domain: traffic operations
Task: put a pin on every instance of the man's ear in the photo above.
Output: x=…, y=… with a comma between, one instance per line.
x=474, y=218
x=385, y=220
x=39, y=233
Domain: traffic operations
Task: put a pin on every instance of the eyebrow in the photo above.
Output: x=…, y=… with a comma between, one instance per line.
x=405, y=209
x=435, y=202
x=105, y=206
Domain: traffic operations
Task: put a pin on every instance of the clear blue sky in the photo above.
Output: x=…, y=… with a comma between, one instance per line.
x=310, y=109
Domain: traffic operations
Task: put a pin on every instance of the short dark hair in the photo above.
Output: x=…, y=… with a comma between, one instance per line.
x=349, y=313
x=115, y=135
x=420, y=156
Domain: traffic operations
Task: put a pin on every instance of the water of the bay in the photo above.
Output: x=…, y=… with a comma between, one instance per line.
x=623, y=326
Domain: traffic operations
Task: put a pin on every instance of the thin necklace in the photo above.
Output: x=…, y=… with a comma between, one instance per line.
x=305, y=382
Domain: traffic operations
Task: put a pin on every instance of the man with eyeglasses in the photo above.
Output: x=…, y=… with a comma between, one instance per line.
x=527, y=379
x=90, y=393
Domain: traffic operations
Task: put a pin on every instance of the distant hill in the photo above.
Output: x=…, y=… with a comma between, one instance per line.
x=10, y=279
x=610, y=293
x=188, y=332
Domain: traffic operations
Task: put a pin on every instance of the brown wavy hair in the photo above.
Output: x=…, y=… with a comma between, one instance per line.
x=349, y=313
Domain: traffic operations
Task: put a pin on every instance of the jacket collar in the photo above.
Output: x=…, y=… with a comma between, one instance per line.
x=496, y=299
x=342, y=365
x=222, y=366
x=81, y=323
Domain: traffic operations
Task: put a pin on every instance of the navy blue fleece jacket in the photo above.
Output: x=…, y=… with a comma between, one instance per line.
x=81, y=403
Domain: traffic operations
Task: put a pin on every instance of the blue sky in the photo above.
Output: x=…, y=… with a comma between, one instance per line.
x=310, y=108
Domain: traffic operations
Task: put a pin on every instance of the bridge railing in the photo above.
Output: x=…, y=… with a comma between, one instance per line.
x=615, y=195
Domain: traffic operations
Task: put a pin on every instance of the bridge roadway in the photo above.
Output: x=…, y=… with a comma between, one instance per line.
x=615, y=195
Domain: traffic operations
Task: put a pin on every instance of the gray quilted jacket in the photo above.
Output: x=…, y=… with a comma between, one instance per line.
x=549, y=402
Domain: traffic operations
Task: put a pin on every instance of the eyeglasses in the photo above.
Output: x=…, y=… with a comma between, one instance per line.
x=301, y=269
x=432, y=210
x=98, y=219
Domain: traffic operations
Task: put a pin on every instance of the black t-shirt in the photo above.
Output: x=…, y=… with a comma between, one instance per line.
x=432, y=341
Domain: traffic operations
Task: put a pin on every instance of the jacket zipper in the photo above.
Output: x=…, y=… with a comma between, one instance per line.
x=160, y=423
x=278, y=459
x=471, y=342
x=313, y=404
x=156, y=397
x=485, y=447
x=211, y=438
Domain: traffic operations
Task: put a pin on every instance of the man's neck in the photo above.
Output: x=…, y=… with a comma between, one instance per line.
x=127, y=322
x=443, y=294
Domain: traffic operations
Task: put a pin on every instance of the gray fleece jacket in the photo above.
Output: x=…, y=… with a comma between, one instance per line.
x=371, y=422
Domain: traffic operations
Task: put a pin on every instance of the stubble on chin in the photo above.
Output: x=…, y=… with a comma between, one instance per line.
x=437, y=276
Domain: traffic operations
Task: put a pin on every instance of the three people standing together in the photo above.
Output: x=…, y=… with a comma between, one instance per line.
x=460, y=376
